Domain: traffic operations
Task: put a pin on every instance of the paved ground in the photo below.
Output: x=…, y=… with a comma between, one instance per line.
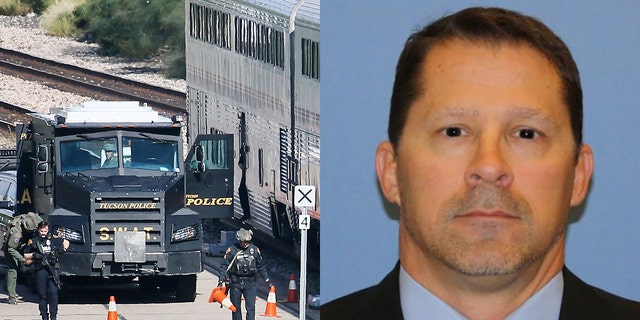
x=27, y=309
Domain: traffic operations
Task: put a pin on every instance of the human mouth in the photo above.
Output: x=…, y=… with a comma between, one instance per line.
x=488, y=214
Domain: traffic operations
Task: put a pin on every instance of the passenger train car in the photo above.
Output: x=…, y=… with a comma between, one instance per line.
x=253, y=70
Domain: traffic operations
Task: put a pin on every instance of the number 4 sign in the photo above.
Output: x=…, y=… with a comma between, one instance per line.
x=304, y=222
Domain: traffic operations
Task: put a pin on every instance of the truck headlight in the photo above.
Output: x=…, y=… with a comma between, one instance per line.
x=70, y=234
x=186, y=233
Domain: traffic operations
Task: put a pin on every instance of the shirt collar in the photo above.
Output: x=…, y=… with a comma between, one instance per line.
x=416, y=302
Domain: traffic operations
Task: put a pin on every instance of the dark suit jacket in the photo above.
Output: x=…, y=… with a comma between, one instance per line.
x=580, y=301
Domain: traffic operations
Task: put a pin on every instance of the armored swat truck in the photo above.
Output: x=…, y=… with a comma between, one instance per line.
x=110, y=178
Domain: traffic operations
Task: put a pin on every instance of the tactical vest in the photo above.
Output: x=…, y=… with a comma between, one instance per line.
x=48, y=250
x=15, y=238
x=245, y=264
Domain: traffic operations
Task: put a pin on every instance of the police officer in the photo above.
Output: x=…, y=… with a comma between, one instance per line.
x=110, y=161
x=22, y=229
x=242, y=264
x=44, y=249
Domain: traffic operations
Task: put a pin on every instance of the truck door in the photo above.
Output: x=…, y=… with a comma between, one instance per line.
x=209, y=176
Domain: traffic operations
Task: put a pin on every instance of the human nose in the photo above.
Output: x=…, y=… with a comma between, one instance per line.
x=489, y=165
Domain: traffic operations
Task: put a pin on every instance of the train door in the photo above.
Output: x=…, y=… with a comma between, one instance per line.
x=209, y=176
x=243, y=164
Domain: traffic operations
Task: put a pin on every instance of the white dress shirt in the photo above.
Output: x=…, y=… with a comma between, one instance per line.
x=419, y=304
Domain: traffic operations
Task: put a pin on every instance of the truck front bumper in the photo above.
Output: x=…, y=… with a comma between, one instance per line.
x=104, y=265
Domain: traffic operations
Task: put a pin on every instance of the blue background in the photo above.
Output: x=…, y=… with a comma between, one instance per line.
x=361, y=41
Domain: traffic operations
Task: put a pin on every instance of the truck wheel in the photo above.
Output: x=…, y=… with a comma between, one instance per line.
x=185, y=288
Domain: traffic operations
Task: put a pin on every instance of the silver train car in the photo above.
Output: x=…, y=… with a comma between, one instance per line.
x=253, y=70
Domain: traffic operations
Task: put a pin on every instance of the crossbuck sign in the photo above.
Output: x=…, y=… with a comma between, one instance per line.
x=304, y=196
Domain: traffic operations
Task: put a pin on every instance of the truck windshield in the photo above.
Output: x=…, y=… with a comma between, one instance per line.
x=150, y=154
x=87, y=154
x=146, y=153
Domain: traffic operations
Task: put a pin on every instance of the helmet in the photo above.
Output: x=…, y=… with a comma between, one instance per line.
x=244, y=235
x=30, y=221
x=109, y=147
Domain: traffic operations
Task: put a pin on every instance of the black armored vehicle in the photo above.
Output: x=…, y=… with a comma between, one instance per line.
x=110, y=178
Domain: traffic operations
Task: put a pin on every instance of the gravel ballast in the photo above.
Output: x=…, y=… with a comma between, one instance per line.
x=23, y=34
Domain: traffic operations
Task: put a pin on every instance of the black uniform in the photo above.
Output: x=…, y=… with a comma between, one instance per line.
x=45, y=255
x=240, y=269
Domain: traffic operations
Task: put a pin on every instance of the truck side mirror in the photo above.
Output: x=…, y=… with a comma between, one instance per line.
x=43, y=153
x=43, y=159
x=199, y=153
x=200, y=167
x=43, y=167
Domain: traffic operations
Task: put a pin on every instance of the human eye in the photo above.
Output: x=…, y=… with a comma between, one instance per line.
x=453, y=132
x=527, y=133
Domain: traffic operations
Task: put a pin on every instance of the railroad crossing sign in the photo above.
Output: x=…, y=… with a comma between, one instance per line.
x=304, y=196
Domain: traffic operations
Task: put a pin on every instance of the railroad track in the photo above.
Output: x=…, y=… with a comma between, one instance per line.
x=97, y=85
x=11, y=114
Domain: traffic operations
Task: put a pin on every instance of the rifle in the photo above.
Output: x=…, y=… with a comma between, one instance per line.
x=45, y=262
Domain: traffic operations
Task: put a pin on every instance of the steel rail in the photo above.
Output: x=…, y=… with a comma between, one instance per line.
x=98, y=85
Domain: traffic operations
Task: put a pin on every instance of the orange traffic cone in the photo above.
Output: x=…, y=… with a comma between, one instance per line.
x=218, y=295
x=293, y=291
x=271, y=304
x=113, y=314
x=211, y=296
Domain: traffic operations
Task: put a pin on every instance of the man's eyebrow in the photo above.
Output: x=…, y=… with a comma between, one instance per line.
x=454, y=113
x=522, y=112
x=533, y=114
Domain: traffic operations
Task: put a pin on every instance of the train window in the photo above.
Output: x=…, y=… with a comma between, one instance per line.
x=259, y=41
x=243, y=36
x=210, y=25
x=206, y=25
x=194, y=20
x=262, y=41
x=222, y=24
x=253, y=43
x=311, y=58
x=278, y=49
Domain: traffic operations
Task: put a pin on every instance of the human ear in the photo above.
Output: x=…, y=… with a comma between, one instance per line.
x=386, y=170
x=582, y=175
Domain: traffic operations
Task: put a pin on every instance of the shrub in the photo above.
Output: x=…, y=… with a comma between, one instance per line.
x=135, y=28
x=39, y=6
x=14, y=8
x=59, y=20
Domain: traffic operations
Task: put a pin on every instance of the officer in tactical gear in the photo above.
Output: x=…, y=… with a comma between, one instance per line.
x=242, y=264
x=111, y=159
x=43, y=249
x=22, y=229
